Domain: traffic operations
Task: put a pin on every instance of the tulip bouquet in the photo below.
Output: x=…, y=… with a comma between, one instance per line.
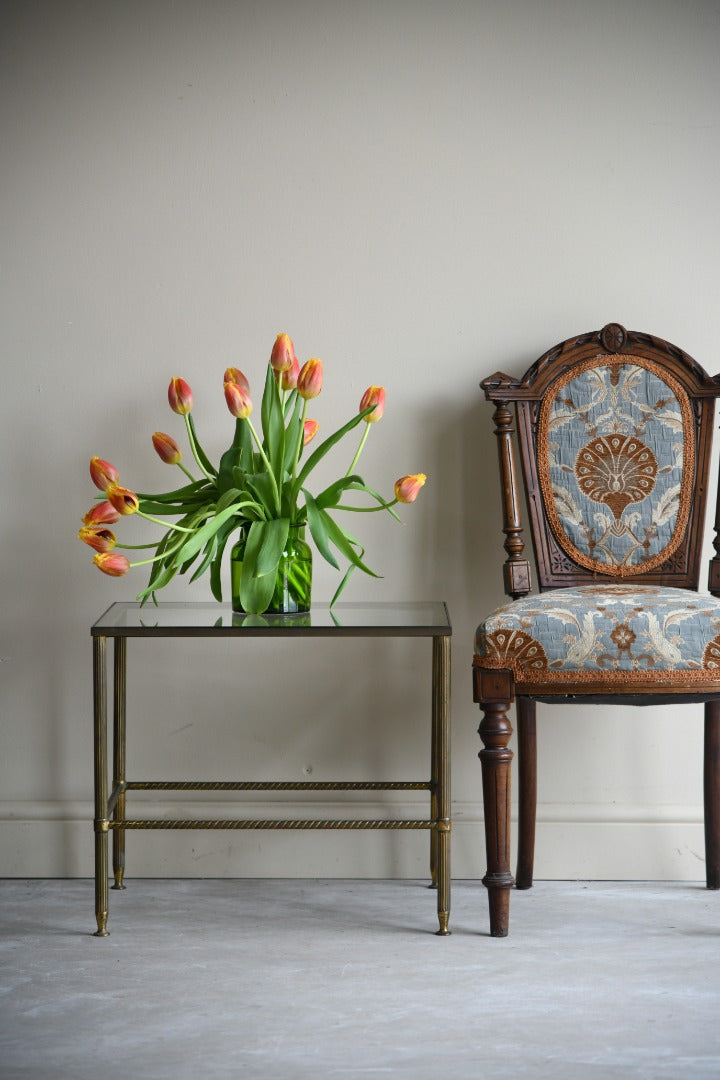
x=258, y=486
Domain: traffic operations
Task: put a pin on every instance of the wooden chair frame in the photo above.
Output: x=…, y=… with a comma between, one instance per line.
x=495, y=690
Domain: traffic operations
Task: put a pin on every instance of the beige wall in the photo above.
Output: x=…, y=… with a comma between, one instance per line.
x=419, y=193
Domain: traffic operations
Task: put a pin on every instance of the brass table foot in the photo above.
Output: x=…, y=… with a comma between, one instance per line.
x=444, y=918
x=118, y=880
x=102, y=930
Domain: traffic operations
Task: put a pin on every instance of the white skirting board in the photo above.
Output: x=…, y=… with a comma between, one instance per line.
x=594, y=842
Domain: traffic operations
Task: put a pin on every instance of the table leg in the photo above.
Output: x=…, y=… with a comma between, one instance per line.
x=441, y=725
x=434, y=777
x=120, y=654
x=101, y=784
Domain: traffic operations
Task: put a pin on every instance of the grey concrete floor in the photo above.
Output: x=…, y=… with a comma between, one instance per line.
x=294, y=979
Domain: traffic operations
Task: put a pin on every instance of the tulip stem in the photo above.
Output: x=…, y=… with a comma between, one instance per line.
x=164, y=524
x=136, y=547
x=367, y=509
x=187, y=472
x=146, y=562
x=363, y=440
x=194, y=448
x=263, y=455
x=169, y=552
x=301, y=439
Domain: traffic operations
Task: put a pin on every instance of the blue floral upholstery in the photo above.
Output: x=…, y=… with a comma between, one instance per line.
x=637, y=635
x=616, y=459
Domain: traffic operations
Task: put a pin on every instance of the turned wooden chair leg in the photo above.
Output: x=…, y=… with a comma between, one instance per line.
x=495, y=731
x=711, y=779
x=527, y=793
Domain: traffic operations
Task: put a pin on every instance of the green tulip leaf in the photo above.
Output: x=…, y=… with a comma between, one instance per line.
x=188, y=563
x=318, y=529
x=238, y=456
x=222, y=538
x=207, y=558
x=161, y=575
x=332, y=494
x=273, y=424
x=260, y=485
x=346, y=544
x=200, y=537
x=172, y=510
x=157, y=567
x=179, y=495
x=232, y=495
x=265, y=544
x=293, y=432
x=263, y=550
x=168, y=551
x=341, y=586
x=256, y=592
x=251, y=507
x=346, y=578
x=165, y=567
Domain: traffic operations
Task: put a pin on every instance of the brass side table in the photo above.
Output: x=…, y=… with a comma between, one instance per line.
x=129, y=620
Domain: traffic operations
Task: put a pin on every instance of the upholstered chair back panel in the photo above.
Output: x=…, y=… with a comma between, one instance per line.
x=616, y=461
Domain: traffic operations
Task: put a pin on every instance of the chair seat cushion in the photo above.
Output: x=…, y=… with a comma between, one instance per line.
x=639, y=636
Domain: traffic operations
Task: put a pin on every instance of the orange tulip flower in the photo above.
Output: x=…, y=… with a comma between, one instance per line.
x=288, y=379
x=238, y=400
x=166, y=447
x=283, y=354
x=98, y=539
x=123, y=499
x=407, y=488
x=310, y=379
x=113, y=564
x=102, y=473
x=234, y=374
x=103, y=513
x=180, y=396
x=374, y=395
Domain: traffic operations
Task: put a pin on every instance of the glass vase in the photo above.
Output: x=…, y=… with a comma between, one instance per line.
x=293, y=582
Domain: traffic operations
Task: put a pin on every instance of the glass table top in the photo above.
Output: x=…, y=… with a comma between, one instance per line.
x=393, y=618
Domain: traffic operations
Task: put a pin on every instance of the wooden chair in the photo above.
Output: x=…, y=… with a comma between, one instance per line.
x=614, y=430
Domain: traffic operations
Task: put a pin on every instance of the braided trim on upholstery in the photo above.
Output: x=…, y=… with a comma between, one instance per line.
x=614, y=681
